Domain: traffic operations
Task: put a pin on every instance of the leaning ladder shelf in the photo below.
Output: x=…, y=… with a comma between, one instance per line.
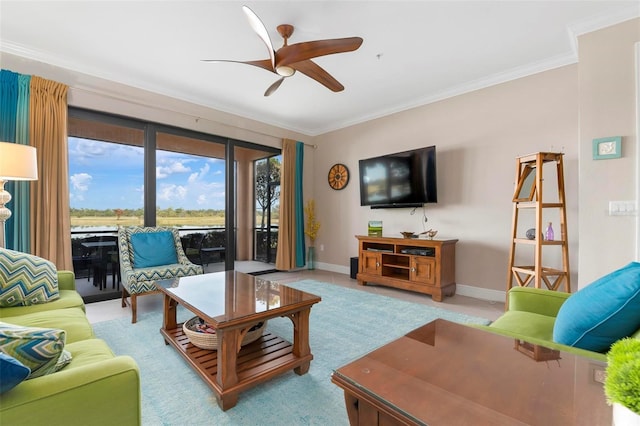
x=529, y=195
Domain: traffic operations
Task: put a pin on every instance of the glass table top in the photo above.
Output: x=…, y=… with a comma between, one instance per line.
x=448, y=373
x=230, y=295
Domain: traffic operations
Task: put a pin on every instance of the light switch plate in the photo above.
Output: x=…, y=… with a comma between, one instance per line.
x=622, y=208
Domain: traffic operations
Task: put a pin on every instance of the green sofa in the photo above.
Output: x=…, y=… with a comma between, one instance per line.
x=96, y=388
x=531, y=316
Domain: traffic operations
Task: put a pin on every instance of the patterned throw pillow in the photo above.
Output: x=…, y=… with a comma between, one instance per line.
x=38, y=349
x=26, y=279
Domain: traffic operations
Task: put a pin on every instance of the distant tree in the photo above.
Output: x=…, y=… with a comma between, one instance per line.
x=119, y=213
x=267, y=173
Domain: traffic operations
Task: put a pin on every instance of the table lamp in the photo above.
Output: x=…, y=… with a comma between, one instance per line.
x=17, y=162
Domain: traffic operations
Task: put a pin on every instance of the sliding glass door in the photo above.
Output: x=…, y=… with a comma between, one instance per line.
x=128, y=172
x=190, y=195
x=104, y=194
x=267, y=202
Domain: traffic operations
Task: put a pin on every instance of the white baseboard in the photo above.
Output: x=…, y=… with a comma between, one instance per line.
x=461, y=289
x=481, y=293
x=333, y=268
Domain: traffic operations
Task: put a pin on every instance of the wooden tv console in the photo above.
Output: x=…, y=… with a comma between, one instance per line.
x=423, y=266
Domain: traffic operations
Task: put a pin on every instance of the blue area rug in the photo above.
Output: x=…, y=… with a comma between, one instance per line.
x=345, y=325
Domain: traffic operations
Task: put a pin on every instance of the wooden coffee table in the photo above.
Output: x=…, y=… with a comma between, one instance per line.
x=232, y=302
x=449, y=374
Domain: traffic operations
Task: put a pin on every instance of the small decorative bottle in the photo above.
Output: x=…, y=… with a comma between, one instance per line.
x=548, y=235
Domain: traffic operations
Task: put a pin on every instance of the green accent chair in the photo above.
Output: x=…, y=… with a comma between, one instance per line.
x=531, y=316
x=140, y=281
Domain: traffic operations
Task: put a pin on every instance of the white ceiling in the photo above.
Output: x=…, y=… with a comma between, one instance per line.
x=414, y=52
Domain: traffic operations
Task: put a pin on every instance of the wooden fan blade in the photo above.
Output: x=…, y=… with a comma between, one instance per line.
x=297, y=52
x=259, y=28
x=274, y=87
x=262, y=63
x=316, y=72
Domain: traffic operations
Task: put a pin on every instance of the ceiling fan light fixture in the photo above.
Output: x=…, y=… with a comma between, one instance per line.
x=285, y=71
x=296, y=57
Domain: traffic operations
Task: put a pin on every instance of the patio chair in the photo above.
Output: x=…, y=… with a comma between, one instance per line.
x=192, y=246
x=147, y=255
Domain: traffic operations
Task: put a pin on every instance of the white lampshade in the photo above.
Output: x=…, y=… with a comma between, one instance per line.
x=18, y=162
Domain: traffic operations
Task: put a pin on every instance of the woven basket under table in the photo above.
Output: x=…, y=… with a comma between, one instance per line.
x=210, y=340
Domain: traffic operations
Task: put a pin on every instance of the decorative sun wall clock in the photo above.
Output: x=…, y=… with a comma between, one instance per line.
x=338, y=176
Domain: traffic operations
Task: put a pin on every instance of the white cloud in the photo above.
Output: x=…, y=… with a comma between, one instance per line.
x=87, y=151
x=171, y=192
x=80, y=181
x=202, y=199
x=172, y=167
x=76, y=197
x=198, y=176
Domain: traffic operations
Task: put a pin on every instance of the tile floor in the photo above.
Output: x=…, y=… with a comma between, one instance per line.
x=102, y=311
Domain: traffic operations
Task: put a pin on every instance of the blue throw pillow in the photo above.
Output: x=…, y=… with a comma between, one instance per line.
x=12, y=371
x=601, y=313
x=153, y=249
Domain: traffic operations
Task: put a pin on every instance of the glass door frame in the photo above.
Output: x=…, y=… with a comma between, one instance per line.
x=150, y=138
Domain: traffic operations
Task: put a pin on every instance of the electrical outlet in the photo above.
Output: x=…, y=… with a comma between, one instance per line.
x=599, y=375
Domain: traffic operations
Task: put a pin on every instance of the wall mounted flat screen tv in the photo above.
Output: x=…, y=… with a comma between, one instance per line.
x=404, y=179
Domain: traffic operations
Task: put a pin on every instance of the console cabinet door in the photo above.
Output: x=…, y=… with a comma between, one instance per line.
x=423, y=270
x=370, y=262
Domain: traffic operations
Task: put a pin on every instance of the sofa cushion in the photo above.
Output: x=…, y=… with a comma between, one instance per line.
x=88, y=352
x=601, y=313
x=72, y=320
x=26, y=279
x=67, y=299
x=37, y=348
x=153, y=249
x=12, y=372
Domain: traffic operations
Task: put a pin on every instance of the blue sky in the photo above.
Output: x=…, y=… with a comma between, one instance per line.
x=110, y=176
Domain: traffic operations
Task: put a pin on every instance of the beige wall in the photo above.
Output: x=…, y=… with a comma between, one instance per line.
x=478, y=136
x=607, y=76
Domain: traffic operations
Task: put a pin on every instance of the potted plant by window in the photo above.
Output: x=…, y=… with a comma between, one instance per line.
x=622, y=384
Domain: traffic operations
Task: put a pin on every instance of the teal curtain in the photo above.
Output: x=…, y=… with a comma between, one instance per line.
x=14, y=127
x=8, y=105
x=299, y=206
x=19, y=230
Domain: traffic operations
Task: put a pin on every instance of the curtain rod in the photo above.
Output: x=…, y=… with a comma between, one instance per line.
x=196, y=118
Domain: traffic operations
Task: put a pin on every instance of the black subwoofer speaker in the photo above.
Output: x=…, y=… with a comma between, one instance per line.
x=354, y=267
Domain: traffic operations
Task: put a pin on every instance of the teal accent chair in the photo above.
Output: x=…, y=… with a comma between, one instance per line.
x=142, y=281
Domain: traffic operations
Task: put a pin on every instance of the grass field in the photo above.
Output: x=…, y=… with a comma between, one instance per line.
x=112, y=221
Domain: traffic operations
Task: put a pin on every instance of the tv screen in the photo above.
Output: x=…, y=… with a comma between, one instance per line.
x=404, y=179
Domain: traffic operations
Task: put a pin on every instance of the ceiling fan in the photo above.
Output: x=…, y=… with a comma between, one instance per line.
x=296, y=57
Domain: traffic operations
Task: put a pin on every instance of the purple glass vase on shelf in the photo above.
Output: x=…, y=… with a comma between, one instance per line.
x=548, y=235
